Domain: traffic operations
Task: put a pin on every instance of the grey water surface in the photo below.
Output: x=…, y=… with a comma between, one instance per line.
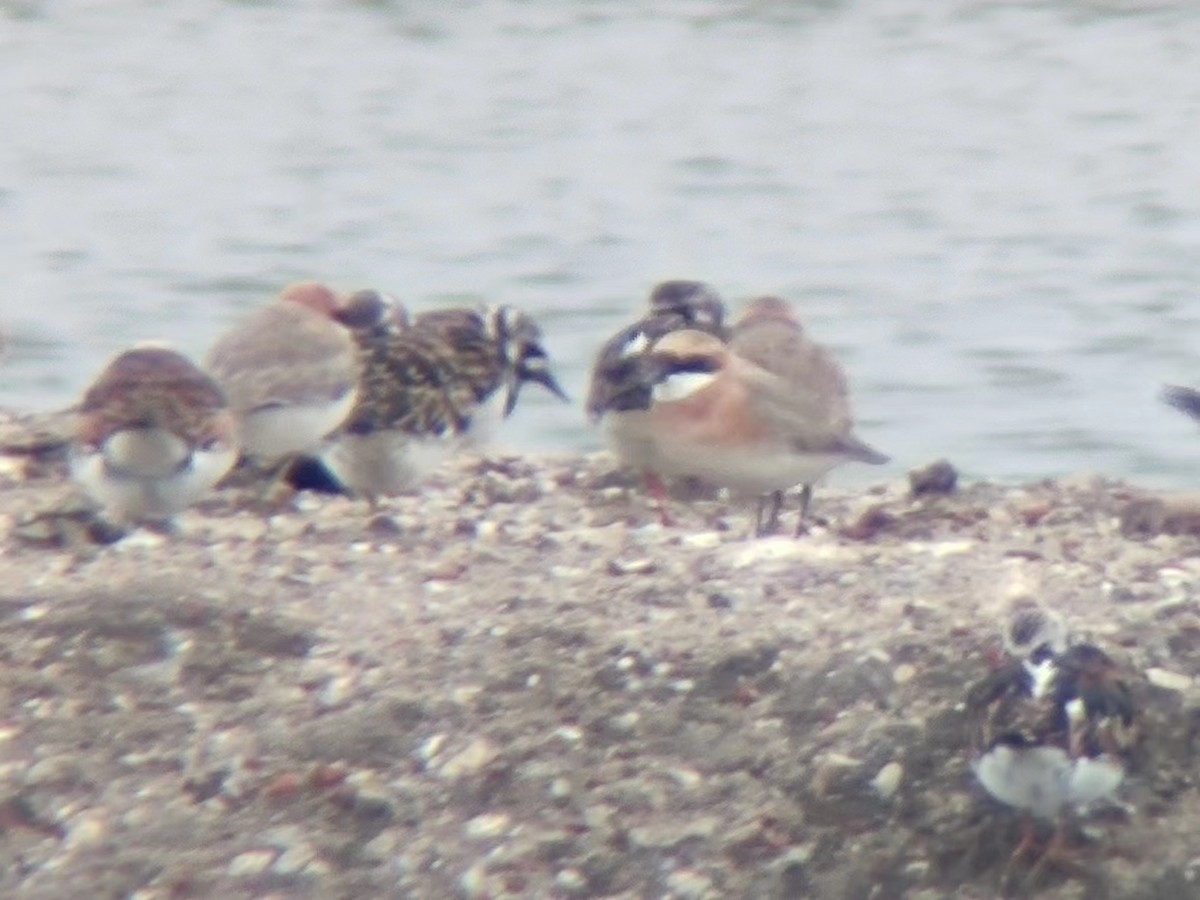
x=990, y=210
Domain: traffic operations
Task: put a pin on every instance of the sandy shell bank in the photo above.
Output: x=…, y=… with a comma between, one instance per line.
x=520, y=685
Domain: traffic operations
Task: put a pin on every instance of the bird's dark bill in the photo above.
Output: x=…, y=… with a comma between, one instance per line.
x=538, y=376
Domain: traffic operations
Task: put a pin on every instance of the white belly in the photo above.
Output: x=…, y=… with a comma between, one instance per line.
x=1030, y=778
x=278, y=431
x=1094, y=779
x=384, y=463
x=486, y=419
x=158, y=487
x=1043, y=780
x=756, y=470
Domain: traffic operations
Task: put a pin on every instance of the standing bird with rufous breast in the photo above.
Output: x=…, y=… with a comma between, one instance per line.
x=619, y=394
x=759, y=415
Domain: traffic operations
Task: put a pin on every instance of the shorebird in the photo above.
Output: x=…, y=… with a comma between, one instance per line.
x=290, y=371
x=619, y=394
x=494, y=351
x=404, y=423
x=809, y=402
x=1053, y=727
x=760, y=415
x=430, y=389
x=154, y=434
x=371, y=312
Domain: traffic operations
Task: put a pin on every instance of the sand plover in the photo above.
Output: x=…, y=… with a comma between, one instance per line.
x=154, y=435
x=808, y=402
x=290, y=371
x=759, y=423
x=1052, y=728
x=619, y=394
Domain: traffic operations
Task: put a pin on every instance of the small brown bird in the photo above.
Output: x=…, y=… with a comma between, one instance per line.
x=619, y=394
x=761, y=414
x=154, y=435
x=290, y=371
x=809, y=404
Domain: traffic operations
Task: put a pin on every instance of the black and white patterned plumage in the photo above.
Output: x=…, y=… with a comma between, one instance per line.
x=1054, y=726
x=617, y=382
x=429, y=386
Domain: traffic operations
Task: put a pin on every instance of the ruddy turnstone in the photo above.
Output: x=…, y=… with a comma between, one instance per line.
x=494, y=351
x=429, y=389
x=404, y=422
x=154, y=434
x=1053, y=727
x=619, y=394
x=290, y=371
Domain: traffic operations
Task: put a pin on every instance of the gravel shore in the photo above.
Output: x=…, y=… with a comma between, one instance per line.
x=519, y=684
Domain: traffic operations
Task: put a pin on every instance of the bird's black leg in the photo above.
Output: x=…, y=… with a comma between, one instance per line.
x=767, y=521
x=805, y=502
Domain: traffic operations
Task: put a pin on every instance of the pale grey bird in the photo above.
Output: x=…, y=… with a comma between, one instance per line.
x=290, y=371
x=808, y=401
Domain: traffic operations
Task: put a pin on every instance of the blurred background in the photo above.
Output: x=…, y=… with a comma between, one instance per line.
x=991, y=211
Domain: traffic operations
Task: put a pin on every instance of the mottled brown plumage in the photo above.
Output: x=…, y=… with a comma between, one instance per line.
x=617, y=385
x=1026, y=702
x=413, y=408
x=154, y=387
x=494, y=347
x=410, y=384
x=475, y=359
x=153, y=435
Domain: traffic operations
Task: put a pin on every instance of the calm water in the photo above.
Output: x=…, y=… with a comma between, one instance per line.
x=991, y=210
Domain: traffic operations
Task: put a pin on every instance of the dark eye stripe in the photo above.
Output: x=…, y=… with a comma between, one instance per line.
x=690, y=364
